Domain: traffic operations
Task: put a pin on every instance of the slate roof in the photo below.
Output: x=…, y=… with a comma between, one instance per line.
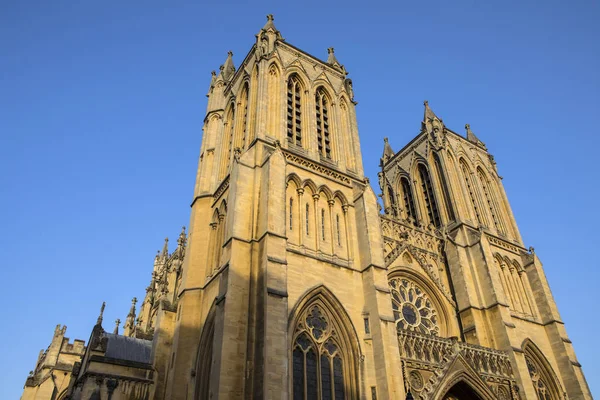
x=128, y=348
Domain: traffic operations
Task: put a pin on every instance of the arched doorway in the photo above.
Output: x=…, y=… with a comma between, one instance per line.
x=461, y=391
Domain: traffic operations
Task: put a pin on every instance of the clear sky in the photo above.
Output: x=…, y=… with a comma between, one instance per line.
x=102, y=104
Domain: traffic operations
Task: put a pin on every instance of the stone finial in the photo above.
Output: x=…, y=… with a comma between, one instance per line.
x=117, y=323
x=99, y=321
x=270, y=24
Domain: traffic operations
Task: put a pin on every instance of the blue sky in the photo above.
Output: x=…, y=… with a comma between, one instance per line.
x=101, y=109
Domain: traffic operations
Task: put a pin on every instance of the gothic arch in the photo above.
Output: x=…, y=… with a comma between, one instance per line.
x=544, y=379
x=294, y=71
x=242, y=114
x=276, y=110
x=339, y=195
x=320, y=322
x=325, y=117
x=204, y=357
x=311, y=185
x=346, y=130
x=294, y=178
x=326, y=191
x=432, y=291
x=468, y=381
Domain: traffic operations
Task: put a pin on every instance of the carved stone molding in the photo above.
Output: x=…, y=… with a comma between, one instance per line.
x=315, y=167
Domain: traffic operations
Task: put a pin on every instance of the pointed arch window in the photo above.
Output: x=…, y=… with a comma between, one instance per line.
x=489, y=200
x=322, y=223
x=430, y=203
x=322, y=114
x=337, y=224
x=392, y=200
x=320, y=363
x=291, y=213
x=440, y=173
x=307, y=220
x=294, y=111
x=245, y=94
x=470, y=189
x=227, y=143
x=409, y=204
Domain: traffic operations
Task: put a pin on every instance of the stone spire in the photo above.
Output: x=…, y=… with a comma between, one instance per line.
x=130, y=321
x=432, y=124
x=164, y=255
x=429, y=114
x=472, y=138
x=213, y=78
x=228, y=68
x=387, y=150
x=99, y=321
x=117, y=323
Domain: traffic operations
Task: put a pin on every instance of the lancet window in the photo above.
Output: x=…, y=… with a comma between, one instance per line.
x=227, y=143
x=471, y=190
x=294, y=111
x=491, y=202
x=291, y=213
x=319, y=359
x=307, y=216
x=244, y=110
x=392, y=200
x=409, y=205
x=337, y=225
x=322, y=224
x=440, y=173
x=322, y=115
x=430, y=203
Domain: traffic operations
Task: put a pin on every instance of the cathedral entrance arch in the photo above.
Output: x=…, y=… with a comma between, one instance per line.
x=461, y=391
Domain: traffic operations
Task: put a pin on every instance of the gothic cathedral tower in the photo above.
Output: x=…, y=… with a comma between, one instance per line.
x=295, y=286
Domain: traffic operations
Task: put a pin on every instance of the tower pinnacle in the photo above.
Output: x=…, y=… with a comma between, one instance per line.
x=472, y=138
x=99, y=321
x=130, y=321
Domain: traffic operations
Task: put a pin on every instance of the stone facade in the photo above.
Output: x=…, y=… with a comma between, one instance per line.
x=294, y=282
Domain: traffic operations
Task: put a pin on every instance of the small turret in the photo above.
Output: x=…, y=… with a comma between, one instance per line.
x=130, y=321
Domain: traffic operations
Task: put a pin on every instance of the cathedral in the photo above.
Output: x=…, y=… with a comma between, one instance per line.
x=293, y=281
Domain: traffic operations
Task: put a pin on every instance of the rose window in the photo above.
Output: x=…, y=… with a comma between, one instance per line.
x=413, y=309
